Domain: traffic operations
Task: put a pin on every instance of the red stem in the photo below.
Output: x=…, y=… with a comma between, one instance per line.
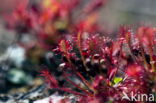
x=77, y=85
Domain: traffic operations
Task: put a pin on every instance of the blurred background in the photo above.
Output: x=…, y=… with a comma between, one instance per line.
x=30, y=29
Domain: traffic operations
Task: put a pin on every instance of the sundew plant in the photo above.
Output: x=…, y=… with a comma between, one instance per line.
x=95, y=68
x=108, y=69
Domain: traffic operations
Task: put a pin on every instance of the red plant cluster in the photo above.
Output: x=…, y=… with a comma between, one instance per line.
x=49, y=20
x=107, y=68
